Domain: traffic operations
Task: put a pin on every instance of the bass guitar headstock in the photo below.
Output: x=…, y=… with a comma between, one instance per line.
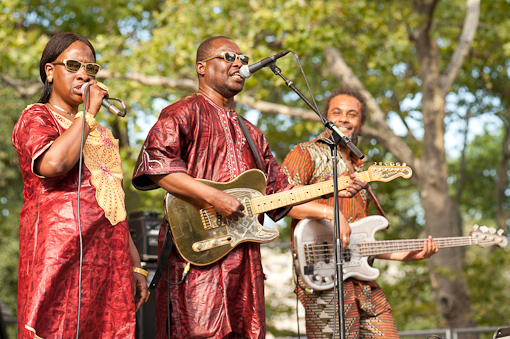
x=389, y=172
x=485, y=236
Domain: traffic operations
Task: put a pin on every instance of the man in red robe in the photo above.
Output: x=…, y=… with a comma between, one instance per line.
x=200, y=137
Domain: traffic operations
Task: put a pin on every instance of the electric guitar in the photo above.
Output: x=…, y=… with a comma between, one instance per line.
x=314, y=253
x=202, y=236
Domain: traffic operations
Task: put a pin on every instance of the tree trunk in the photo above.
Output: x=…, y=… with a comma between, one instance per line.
x=502, y=214
x=441, y=212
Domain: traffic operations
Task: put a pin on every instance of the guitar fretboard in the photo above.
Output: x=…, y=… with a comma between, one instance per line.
x=296, y=195
x=391, y=246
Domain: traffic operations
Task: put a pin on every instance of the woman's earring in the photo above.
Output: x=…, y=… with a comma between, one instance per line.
x=50, y=79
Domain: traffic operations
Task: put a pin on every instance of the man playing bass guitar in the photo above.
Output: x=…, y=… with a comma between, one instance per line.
x=367, y=313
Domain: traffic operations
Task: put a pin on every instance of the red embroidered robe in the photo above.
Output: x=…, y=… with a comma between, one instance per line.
x=197, y=137
x=49, y=248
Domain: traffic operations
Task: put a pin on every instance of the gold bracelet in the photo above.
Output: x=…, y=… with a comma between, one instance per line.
x=89, y=119
x=141, y=271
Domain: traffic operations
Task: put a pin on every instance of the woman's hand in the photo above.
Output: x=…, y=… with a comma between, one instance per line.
x=95, y=96
x=140, y=290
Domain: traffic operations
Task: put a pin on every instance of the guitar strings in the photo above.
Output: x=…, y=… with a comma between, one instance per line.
x=211, y=213
x=389, y=246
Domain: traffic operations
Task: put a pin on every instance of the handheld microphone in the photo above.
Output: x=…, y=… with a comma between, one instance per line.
x=108, y=105
x=246, y=71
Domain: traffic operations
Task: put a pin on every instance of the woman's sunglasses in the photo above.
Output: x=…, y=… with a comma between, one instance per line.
x=75, y=65
x=230, y=57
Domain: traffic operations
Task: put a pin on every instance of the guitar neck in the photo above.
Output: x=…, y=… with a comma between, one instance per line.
x=393, y=246
x=299, y=194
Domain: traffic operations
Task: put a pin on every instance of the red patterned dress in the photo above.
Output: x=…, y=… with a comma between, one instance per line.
x=367, y=312
x=197, y=137
x=49, y=239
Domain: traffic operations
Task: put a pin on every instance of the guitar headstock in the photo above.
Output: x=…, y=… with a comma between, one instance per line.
x=389, y=172
x=486, y=237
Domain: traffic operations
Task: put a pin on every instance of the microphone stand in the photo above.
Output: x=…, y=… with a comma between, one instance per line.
x=337, y=137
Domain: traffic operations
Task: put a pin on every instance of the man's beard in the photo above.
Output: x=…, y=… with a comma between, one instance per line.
x=355, y=134
x=355, y=137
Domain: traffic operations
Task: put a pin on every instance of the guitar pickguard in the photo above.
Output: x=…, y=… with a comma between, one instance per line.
x=314, y=252
x=246, y=229
x=202, y=236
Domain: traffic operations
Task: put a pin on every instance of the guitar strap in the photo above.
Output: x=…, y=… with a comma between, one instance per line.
x=164, y=258
x=376, y=204
x=248, y=137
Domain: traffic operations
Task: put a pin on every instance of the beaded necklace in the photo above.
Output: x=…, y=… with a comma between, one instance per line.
x=61, y=109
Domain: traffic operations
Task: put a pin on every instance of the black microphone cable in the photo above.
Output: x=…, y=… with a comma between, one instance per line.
x=80, y=164
x=306, y=80
x=160, y=268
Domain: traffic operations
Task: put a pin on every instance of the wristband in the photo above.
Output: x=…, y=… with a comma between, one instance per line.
x=141, y=271
x=89, y=119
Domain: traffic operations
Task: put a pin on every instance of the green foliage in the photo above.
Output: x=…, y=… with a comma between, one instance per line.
x=157, y=37
x=11, y=200
x=408, y=290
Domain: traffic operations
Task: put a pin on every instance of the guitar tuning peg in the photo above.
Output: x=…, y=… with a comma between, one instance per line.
x=484, y=228
x=385, y=164
x=500, y=232
x=404, y=164
x=392, y=164
x=475, y=227
x=398, y=164
x=375, y=163
x=492, y=230
x=380, y=164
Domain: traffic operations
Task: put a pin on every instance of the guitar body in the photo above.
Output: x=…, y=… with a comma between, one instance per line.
x=314, y=251
x=202, y=236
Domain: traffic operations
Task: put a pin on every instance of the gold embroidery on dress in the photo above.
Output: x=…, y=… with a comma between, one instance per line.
x=102, y=158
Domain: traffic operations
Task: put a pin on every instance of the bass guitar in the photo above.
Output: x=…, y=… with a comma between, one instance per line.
x=202, y=236
x=314, y=253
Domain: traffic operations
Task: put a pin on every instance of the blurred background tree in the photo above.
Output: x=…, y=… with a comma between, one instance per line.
x=437, y=93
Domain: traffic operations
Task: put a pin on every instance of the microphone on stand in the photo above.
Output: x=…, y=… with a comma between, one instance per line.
x=108, y=105
x=246, y=71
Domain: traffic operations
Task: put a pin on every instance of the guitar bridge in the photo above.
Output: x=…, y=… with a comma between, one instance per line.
x=205, y=245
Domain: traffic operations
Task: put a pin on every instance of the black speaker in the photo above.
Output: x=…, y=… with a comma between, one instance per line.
x=146, y=315
x=144, y=228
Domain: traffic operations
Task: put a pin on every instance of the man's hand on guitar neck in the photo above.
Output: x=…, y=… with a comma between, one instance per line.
x=430, y=248
x=352, y=188
x=199, y=194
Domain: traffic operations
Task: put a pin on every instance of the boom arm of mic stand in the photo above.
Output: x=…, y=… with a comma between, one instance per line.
x=338, y=135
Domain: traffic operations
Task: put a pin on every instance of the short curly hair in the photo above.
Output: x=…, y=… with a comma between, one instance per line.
x=353, y=93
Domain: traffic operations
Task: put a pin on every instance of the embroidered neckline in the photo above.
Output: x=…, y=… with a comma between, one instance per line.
x=102, y=158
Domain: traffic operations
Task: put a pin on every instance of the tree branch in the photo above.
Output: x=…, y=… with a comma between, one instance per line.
x=152, y=80
x=24, y=88
x=31, y=87
x=463, y=46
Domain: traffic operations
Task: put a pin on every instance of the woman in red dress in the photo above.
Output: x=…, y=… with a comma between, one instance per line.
x=78, y=266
